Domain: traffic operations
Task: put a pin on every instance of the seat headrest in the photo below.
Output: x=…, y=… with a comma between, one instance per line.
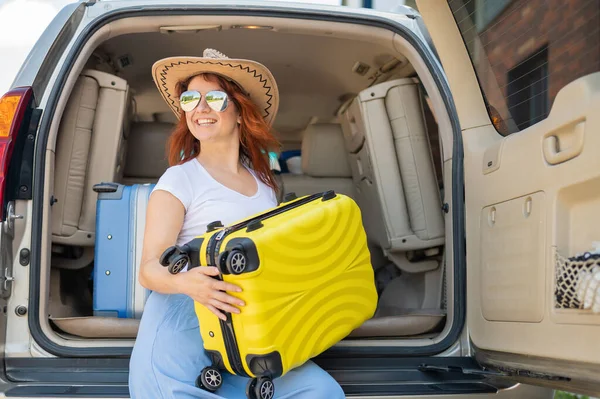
x=146, y=150
x=324, y=151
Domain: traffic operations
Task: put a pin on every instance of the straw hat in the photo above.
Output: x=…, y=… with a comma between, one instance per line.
x=252, y=77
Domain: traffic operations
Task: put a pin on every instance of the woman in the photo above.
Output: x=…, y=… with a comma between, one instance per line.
x=219, y=171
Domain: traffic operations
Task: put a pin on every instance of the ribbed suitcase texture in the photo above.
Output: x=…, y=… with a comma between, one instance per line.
x=120, y=223
x=306, y=278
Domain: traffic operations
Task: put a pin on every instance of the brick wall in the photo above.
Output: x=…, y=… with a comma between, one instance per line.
x=569, y=28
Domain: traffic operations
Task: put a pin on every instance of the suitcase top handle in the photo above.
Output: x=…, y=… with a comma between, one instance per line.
x=106, y=187
x=326, y=195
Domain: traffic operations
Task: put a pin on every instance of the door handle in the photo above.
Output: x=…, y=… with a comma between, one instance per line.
x=560, y=146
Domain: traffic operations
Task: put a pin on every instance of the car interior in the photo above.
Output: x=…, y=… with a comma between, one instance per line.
x=357, y=106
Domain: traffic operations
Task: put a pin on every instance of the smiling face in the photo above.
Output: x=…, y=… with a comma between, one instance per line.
x=207, y=124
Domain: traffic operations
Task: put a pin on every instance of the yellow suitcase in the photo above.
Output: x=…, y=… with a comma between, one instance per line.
x=306, y=278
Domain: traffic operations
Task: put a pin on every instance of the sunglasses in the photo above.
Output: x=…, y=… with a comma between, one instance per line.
x=216, y=99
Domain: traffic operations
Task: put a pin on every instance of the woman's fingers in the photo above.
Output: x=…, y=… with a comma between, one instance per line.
x=223, y=306
x=222, y=297
x=223, y=286
x=216, y=312
x=217, y=284
x=212, y=293
x=208, y=270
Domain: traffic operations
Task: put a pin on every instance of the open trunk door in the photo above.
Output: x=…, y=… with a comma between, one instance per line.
x=525, y=79
x=20, y=115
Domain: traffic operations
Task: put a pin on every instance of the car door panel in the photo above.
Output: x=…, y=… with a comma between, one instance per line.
x=512, y=259
x=524, y=214
x=532, y=201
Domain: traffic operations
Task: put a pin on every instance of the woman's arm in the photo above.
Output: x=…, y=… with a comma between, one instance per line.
x=164, y=220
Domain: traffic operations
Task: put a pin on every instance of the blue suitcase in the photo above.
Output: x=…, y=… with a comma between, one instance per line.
x=120, y=222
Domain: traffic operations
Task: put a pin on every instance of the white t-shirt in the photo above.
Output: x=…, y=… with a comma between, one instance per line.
x=206, y=200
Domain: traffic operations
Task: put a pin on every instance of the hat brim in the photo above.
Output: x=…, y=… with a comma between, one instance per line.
x=254, y=78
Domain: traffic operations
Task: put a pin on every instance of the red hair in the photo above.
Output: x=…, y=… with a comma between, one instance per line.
x=256, y=137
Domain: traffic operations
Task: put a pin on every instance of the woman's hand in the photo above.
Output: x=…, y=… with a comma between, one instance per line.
x=199, y=284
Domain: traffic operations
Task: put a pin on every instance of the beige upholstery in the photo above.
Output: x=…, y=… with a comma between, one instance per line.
x=392, y=168
x=409, y=305
x=98, y=327
x=89, y=148
x=399, y=322
x=146, y=158
x=396, y=187
x=324, y=163
x=322, y=152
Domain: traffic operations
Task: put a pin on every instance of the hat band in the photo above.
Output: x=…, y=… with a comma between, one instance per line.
x=166, y=69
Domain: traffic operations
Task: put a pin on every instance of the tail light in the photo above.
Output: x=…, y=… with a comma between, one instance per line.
x=12, y=111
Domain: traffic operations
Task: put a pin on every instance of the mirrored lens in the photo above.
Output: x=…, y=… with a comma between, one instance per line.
x=189, y=100
x=217, y=100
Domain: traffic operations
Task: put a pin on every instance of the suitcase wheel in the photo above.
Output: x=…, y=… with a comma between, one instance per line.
x=222, y=262
x=209, y=379
x=174, y=259
x=260, y=388
x=164, y=258
x=177, y=263
x=236, y=261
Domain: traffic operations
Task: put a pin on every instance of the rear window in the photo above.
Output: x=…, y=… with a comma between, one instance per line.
x=525, y=51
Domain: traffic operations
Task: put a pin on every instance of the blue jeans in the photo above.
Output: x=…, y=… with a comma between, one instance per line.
x=168, y=356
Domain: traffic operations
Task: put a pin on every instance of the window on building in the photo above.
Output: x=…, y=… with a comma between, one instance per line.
x=527, y=90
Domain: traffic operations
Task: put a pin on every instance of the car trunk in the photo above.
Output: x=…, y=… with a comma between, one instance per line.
x=110, y=124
